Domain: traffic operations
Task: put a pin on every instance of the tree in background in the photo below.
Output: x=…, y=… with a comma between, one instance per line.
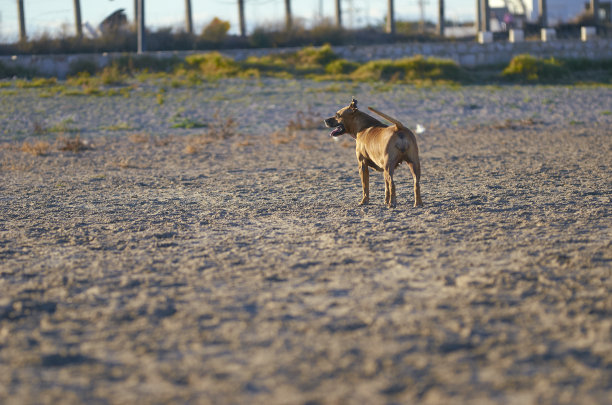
x=216, y=30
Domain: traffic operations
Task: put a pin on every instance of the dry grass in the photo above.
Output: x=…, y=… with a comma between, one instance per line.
x=282, y=137
x=74, y=145
x=125, y=163
x=191, y=149
x=516, y=124
x=218, y=129
x=140, y=137
x=305, y=120
x=39, y=128
x=164, y=140
x=39, y=148
x=348, y=143
x=244, y=142
x=222, y=128
x=308, y=145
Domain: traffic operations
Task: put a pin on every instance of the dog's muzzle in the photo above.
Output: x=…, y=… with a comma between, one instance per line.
x=338, y=127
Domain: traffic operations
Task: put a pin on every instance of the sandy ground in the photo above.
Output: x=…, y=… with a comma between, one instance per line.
x=204, y=265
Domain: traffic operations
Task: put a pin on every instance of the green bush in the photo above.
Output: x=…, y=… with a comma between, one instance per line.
x=216, y=30
x=36, y=83
x=341, y=67
x=528, y=68
x=213, y=64
x=412, y=69
x=310, y=56
x=309, y=60
x=112, y=76
x=270, y=64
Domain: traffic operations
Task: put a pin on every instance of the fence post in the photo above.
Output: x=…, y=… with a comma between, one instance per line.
x=141, y=27
x=188, y=19
x=288, y=18
x=543, y=13
x=22, y=28
x=485, y=14
x=241, y=18
x=441, y=18
x=77, y=19
x=390, y=18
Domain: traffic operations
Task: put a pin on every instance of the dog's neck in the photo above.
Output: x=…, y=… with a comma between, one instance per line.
x=360, y=122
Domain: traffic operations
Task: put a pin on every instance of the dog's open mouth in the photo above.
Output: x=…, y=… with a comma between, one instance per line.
x=339, y=130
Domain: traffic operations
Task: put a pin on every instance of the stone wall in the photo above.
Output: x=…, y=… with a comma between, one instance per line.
x=467, y=54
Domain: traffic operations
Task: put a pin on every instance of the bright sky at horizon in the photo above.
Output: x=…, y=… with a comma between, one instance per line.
x=57, y=16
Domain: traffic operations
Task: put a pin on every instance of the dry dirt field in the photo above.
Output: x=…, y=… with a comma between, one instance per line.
x=206, y=247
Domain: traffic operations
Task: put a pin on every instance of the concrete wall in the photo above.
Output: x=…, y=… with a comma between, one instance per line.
x=472, y=54
x=467, y=54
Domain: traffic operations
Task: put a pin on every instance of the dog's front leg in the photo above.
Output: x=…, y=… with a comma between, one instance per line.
x=364, y=173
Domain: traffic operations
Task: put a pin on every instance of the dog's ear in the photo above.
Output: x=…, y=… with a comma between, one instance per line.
x=353, y=105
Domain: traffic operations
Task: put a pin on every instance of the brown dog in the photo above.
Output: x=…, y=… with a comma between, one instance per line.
x=379, y=146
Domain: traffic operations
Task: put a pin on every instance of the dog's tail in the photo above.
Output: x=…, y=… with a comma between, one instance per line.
x=398, y=124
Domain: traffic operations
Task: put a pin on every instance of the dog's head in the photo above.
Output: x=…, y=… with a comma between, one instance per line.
x=338, y=121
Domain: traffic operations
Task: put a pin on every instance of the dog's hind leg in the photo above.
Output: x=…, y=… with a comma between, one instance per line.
x=415, y=169
x=389, y=188
x=364, y=173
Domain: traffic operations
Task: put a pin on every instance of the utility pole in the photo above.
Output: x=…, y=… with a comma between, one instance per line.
x=478, y=22
x=441, y=18
x=22, y=28
x=141, y=27
x=338, y=14
x=241, y=18
x=543, y=13
x=188, y=20
x=390, y=18
x=77, y=19
x=288, y=19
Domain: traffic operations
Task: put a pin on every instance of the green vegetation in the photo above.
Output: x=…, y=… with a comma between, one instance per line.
x=211, y=65
x=413, y=70
x=527, y=68
x=120, y=126
x=187, y=123
x=36, y=82
x=63, y=127
x=316, y=63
